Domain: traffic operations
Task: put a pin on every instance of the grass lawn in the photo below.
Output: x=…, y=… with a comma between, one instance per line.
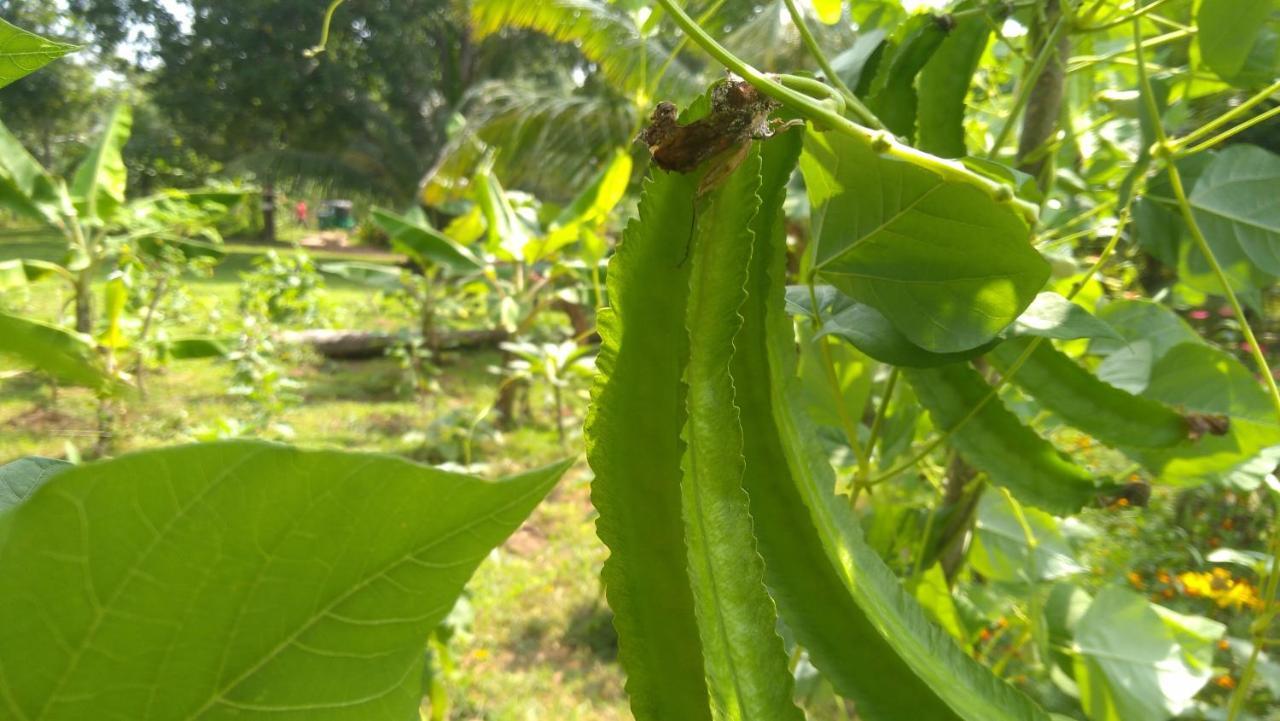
x=540, y=645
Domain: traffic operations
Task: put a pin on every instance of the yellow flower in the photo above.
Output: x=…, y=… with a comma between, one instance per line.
x=1221, y=588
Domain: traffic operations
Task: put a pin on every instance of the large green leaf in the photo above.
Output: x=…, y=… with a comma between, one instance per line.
x=26, y=188
x=1139, y=662
x=1113, y=416
x=240, y=580
x=944, y=85
x=1018, y=545
x=870, y=332
x=415, y=237
x=634, y=447
x=23, y=53
x=99, y=183
x=995, y=441
x=746, y=667
x=862, y=629
x=21, y=478
x=948, y=264
x=1235, y=205
x=1238, y=39
x=66, y=355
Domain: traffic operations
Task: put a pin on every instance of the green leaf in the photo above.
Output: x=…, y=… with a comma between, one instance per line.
x=934, y=595
x=1138, y=662
x=601, y=196
x=1053, y=316
x=1075, y=395
x=860, y=627
x=23, y=53
x=26, y=188
x=995, y=441
x=507, y=234
x=870, y=332
x=1007, y=551
x=426, y=245
x=1147, y=331
x=637, y=411
x=746, y=666
x=893, y=96
x=99, y=183
x=241, y=580
x=67, y=356
x=1238, y=39
x=1235, y=206
x=18, y=480
x=949, y=265
x=944, y=86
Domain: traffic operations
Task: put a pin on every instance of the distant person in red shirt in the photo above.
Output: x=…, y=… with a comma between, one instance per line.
x=300, y=212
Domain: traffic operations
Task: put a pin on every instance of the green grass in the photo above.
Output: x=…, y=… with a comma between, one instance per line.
x=540, y=645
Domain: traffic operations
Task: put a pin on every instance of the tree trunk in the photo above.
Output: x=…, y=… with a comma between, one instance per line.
x=269, y=212
x=84, y=301
x=954, y=540
x=1044, y=105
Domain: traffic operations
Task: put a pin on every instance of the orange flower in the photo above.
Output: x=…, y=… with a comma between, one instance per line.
x=1163, y=577
x=985, y=635
x=1225, y=681
x=1224, y=645
x=1135, y=579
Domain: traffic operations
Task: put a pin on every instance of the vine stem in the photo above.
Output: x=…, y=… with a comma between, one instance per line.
x=827, y=118
x=324, y=31
x=1028, y=81
x=1222, y=120
x=890, y=385
x=811, y=44
x=1165, y=150
x=1145, y=9
x=1260, y=118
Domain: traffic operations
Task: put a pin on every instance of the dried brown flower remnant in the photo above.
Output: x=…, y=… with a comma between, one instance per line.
x=739, y=114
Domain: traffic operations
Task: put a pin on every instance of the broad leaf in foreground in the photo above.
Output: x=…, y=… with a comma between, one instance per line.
x=946, y=262
x=240, y=580
x=23, y=53
x=633, y=444
x=746, y=666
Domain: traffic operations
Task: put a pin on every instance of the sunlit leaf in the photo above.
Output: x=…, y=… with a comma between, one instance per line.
x=240, y=580
x=23, y=53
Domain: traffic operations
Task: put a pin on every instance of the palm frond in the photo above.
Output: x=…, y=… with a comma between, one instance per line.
x=547, y=141
x=606, y=35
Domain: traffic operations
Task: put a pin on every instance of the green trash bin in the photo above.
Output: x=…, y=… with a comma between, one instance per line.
x=336, y=215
